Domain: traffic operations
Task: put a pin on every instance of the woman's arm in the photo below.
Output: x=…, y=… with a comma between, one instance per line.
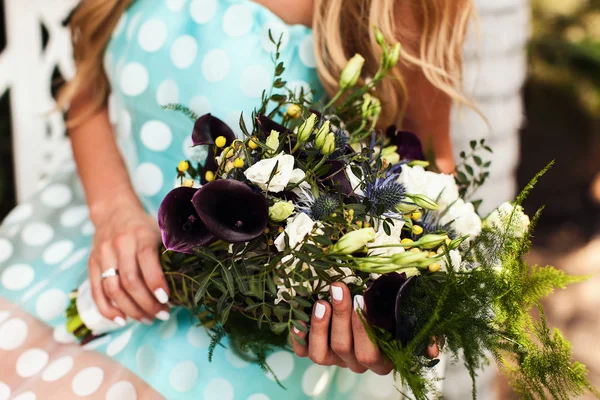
x=126, y=237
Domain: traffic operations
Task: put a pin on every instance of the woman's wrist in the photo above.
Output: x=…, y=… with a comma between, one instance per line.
x=101, y=209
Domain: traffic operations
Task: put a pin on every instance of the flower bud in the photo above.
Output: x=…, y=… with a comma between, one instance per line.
x=365, y=108
x=392, y=158
x=435, y=267
x=183, y=166
x=252, y=143
x=293, y=111
x=273, y=140
x=328, y=145
x=238, y=163
x=351, y=72
x=281, y=210
x=353, y=241
x=406, y=208
x=322, y=134
x=408, y=258
x=394, y=55
x=306, y=129
x=431, y=241
x=375, y=107
x=221, y=141
x=209, y=176
x=379, y=38
x=418, y=163
x=423, y=201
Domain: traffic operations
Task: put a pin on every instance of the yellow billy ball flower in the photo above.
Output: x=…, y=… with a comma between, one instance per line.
x=188, y=183
x=220, y=141
x=417, y=230
x=183, y=166
x=416, y=216
x=252, y=143
x=434, y=267
x=209, y=176
x=407, y=241
x=293, y=111
x=238, y=163
x=415, y=250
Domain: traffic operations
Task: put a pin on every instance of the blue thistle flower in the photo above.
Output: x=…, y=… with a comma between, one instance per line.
x=323, y=207
x=385, y=194
x=430, y=222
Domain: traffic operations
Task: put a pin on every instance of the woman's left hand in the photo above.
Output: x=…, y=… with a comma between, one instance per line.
x=348, y=344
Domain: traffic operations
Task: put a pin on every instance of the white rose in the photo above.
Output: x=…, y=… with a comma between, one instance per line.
x=499, y=219
x=296, y=230
x=260, y=172
x=383, y=239
x=440, y=188
x=463, y=219
x=456, y=259
x=355, y=182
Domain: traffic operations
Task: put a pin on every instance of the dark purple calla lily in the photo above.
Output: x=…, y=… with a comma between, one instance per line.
x=267, y=125
x=384, y=300
x=231, y=210
x=409, y=145
x=336, y=175
x=181, y=228
x=206, y=130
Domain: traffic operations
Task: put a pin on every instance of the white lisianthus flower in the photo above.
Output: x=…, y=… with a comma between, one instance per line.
x=355, y=182
x=456, y=259
x=296, y=230
x=260, y=172
x=440, y=188
x=501, y=217
x=463, y=219
x=383, y=239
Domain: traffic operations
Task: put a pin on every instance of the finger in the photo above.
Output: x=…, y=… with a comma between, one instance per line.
x=342, y=338
x=318, y=342
x=102, y=302
x=131, y=278
x=148, y=260
x=433, y=350
x=365, y=350
x=300, y=349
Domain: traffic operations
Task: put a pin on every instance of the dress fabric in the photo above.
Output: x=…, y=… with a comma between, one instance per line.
x=213, y=56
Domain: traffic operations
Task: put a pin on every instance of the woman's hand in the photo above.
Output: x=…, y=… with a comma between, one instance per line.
x=348, y=345
x=127, y=239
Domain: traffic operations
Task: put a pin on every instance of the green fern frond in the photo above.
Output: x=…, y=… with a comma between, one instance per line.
x=182, y=109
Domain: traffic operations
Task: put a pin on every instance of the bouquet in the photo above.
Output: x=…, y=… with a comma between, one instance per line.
x=315, y=194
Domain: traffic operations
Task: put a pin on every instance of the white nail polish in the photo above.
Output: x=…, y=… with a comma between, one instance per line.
x=337, y=293
x=296, y=330
x=161, y=295
x=359, y=303
x=320, y=310
x=119, y=321
x=163, y=315
x=146, y=321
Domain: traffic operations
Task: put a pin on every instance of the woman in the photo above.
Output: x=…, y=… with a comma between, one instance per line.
x=215, y=56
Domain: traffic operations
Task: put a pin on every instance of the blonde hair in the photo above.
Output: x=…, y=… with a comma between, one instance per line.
x=341, y=29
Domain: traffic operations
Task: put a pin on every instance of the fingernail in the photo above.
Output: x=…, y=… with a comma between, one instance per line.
x=359, y=303
x=163, y=315
x=146, y=321
x=337, y=293
x=119, y=321
x=161, y=295
x=296, y=330
x=319, y=310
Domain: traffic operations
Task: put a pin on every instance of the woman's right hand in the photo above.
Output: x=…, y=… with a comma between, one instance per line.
x=127, y=239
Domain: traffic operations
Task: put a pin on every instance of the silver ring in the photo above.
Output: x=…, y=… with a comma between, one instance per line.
x=109, y=272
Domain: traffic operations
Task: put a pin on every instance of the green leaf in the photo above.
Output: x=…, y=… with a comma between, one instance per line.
x=201, y=291
x=301, y=341
x=281, y=312
x=470, y=170
x=279, y=98
x=301, y=315
x=462, y=177
x=302, y=256
x=228, y=277
x=279, y=327
x=463, y=154
x=324, y=240
x=300, y=326
x=225, y=313
x=243, y=125
x=312, y=248
x=478, y=160
x=271, y=285
x=473, y=144
x=302, y=302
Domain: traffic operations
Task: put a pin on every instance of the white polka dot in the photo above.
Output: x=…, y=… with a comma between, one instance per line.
x=60, y=335
x=379, y=386
x=19, y=213
x=37, y=234
x=120, y=25
x=31, y=362
x=282, y=364
x=202, y=11
x=122, y=390
x=117, y=345
x=88, y=228
x=233, y=120
x=56, y=196
x=198, y=337
x=219, y=389
x=234, y=359
x=278, y=29
x=315, y=380
x=254, y=80
x=51, y=304
x=74, y=216
x=134, y=79
x=297, y=86
x=148, y=179
x=152, y=35
x=6, y=250
x=4, y=391
x=13, y=333
x=4, y=316
x=175, y=5
x=307, y=52
x=96, y=343
x=17, y=277
x=34, y=290
x=57, y=369
x=167, y=93
x=146, y=359
x=74, y=259
x=195, y=154
x=215, y=65
x=168, y=328
x=184, y=51
x=25, y=396
x=58, y=251
x=87, y=381
x=156, y=135
x=133, y=25
x=200, y=105
x=183, y=376
x=259, y=396
x=124, y=124
x=345, y=380
x=238, y=20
